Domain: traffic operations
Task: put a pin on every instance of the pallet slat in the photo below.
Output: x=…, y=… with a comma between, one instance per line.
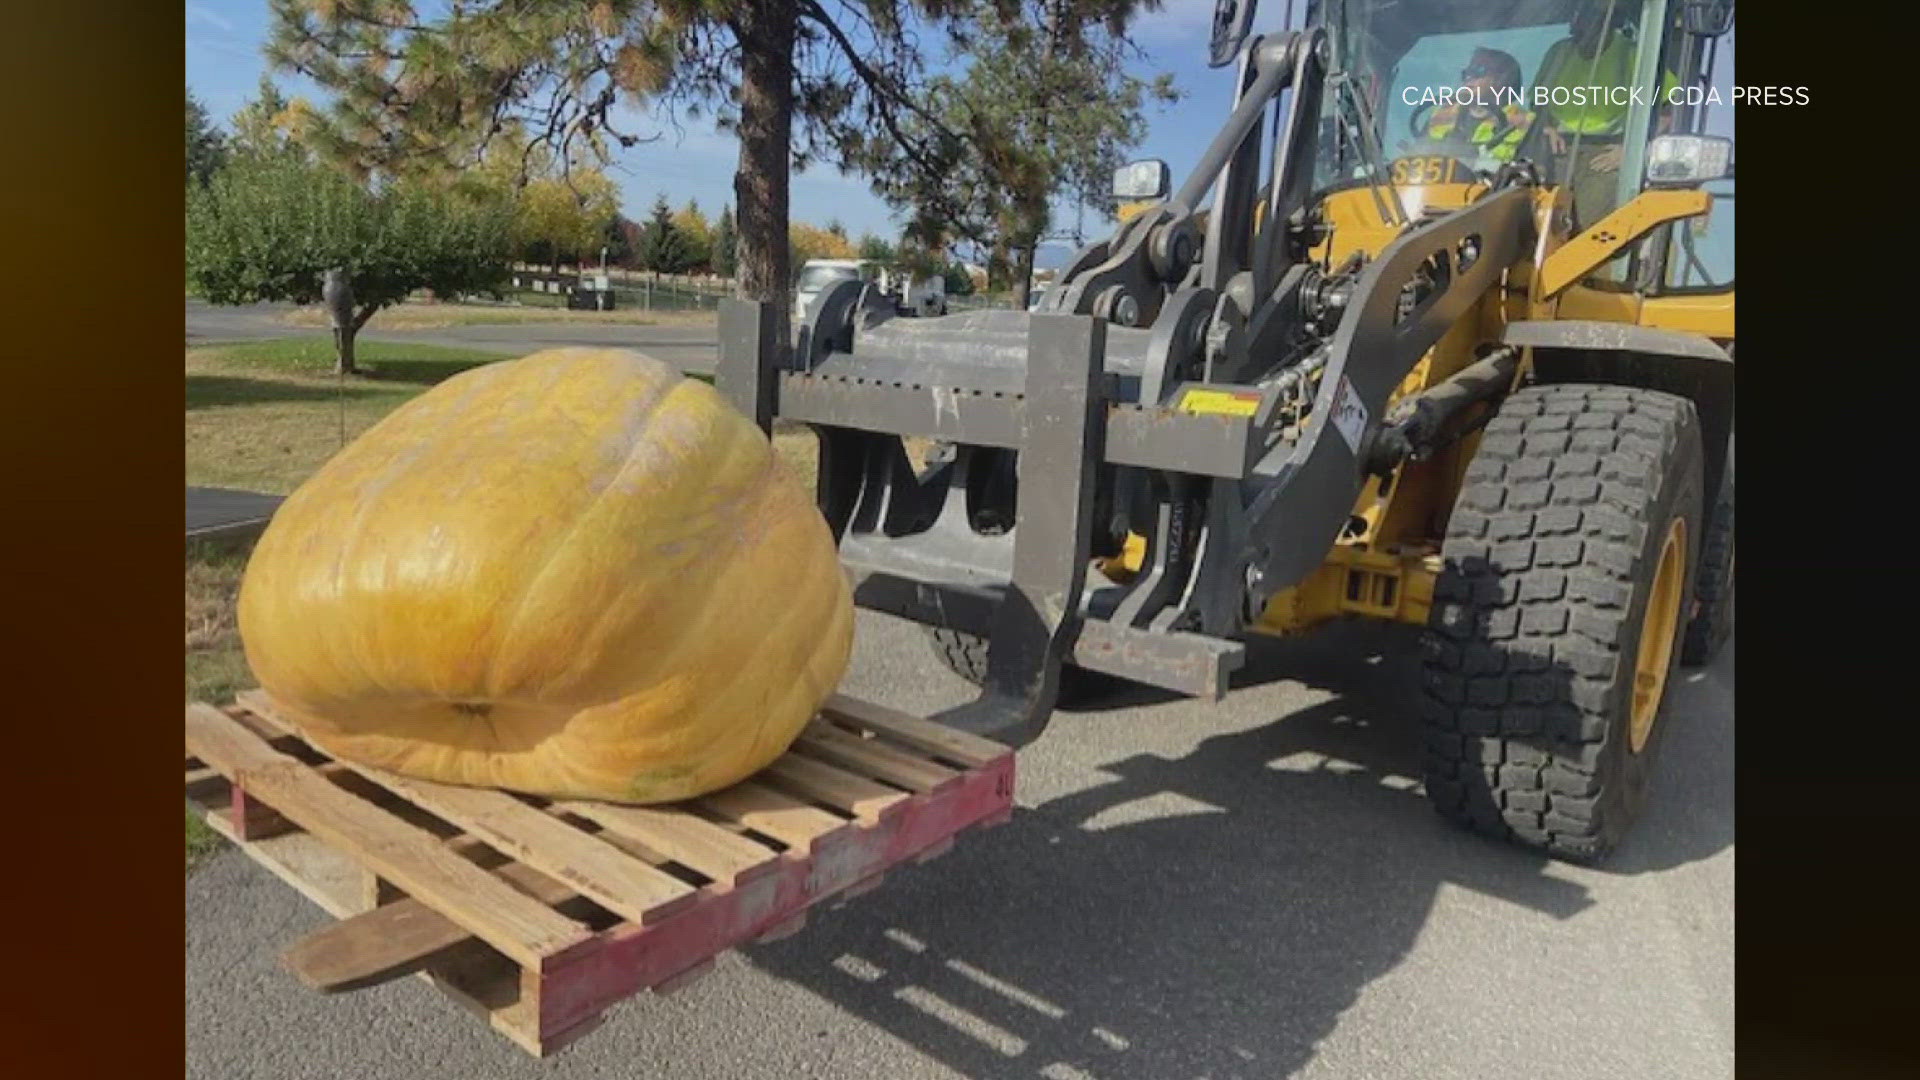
x=373, y=947
x=492, y=910
x=782, y=817
x=873, y=758
x=726, y=857
x=856, y=795
x=401, y=937
x=921, y=734
x=592, y=867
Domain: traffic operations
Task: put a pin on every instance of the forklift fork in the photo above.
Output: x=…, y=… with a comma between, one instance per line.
x=1032, y=627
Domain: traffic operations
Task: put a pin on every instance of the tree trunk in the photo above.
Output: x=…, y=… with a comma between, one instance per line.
x=765, y=29
x=343, y=350
x=1023, y=274
x=337, y=292
x=343, y=338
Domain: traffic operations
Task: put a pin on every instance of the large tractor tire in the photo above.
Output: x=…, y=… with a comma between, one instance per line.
x=966, y=656
x=1557, y=615
x=1713, y=622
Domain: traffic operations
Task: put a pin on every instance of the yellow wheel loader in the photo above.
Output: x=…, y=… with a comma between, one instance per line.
x=1438, y=330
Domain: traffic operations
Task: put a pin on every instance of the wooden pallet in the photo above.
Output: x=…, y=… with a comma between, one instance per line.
x=540, y=914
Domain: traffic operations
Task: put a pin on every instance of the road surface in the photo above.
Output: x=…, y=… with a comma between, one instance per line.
x=1250, y=889
x=690, y=346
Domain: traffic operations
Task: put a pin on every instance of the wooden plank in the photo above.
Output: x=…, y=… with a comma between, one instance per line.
x=726, y=857
x=874, y=758
x=920, y=734
x=252, y=819
x=401, y=936
x=315, y=870
x=260, y=705
x=817, y=780
x=368, y=949
x=600, y=871
x=589, y=865
x=412, y=859
x=782, y=817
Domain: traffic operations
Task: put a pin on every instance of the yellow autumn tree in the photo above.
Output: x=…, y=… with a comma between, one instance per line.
x=692, y=225
x=563, y=218
x=809, y=242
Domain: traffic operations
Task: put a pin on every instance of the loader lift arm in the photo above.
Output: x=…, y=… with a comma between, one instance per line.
x=1068, y=427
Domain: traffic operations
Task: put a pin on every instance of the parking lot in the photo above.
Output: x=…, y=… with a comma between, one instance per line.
x=1254, y=888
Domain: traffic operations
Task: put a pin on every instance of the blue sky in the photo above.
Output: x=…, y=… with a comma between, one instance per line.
x=224, y=65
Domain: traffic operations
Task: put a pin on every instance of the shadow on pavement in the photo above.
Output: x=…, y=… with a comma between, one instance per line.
x=1216, y=914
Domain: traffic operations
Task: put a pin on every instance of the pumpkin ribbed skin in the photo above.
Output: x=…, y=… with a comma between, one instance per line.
x=576, y=574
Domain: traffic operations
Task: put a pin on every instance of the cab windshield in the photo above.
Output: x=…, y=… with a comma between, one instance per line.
x=816, y=278
x=1426, y=91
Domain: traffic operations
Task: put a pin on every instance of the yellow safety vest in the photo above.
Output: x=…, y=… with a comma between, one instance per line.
x=1564, y=68
x=1487, y=134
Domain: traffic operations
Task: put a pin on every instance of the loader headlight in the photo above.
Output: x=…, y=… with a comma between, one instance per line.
x=1149, y=179
x=1686, y=160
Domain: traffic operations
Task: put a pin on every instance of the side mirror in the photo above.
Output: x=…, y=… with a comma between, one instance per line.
x=1688, y=160
x=1231, y=21
x=1150, y=179
x=1707, y=18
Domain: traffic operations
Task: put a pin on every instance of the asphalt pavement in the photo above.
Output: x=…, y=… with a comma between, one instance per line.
x=690, y=346
x=1249, y=889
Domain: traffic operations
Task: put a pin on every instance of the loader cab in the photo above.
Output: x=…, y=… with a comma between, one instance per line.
x=1428, y=100
x=819, y=274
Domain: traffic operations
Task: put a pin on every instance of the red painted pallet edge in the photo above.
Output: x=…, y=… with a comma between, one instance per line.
x=628, y=958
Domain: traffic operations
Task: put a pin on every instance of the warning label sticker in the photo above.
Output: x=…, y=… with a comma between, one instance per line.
x=1220, y=402
x=1349, y=414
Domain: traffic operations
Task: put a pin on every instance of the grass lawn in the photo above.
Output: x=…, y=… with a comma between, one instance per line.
x=430, y=316
x=263, y=416
x=216, y=669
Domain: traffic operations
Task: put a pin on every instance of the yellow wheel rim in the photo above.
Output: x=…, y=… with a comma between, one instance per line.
x=1658, y=629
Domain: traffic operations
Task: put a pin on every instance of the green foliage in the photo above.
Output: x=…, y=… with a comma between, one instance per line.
x=726, y=239
x=268, y=228
x=618, y=241
x=799, y=81
x=663, y=247
x=1045, y=111
x=565, y=217
x=206, y=147
x=875, y=248
x=266, y=126
x=698, y=235
x=959, y=282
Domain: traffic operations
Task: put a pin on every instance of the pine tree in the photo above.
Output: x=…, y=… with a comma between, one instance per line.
x=796, y=80
x=206, y=147
x=725, y=238
x=664, y=250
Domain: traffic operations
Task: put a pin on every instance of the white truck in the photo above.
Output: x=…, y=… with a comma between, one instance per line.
x=912, y=294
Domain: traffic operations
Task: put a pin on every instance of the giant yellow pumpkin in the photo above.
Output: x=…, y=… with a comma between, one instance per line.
x=575, y=574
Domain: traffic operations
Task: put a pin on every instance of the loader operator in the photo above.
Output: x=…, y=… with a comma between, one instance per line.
x=1586, y=138
x=1493, y=121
